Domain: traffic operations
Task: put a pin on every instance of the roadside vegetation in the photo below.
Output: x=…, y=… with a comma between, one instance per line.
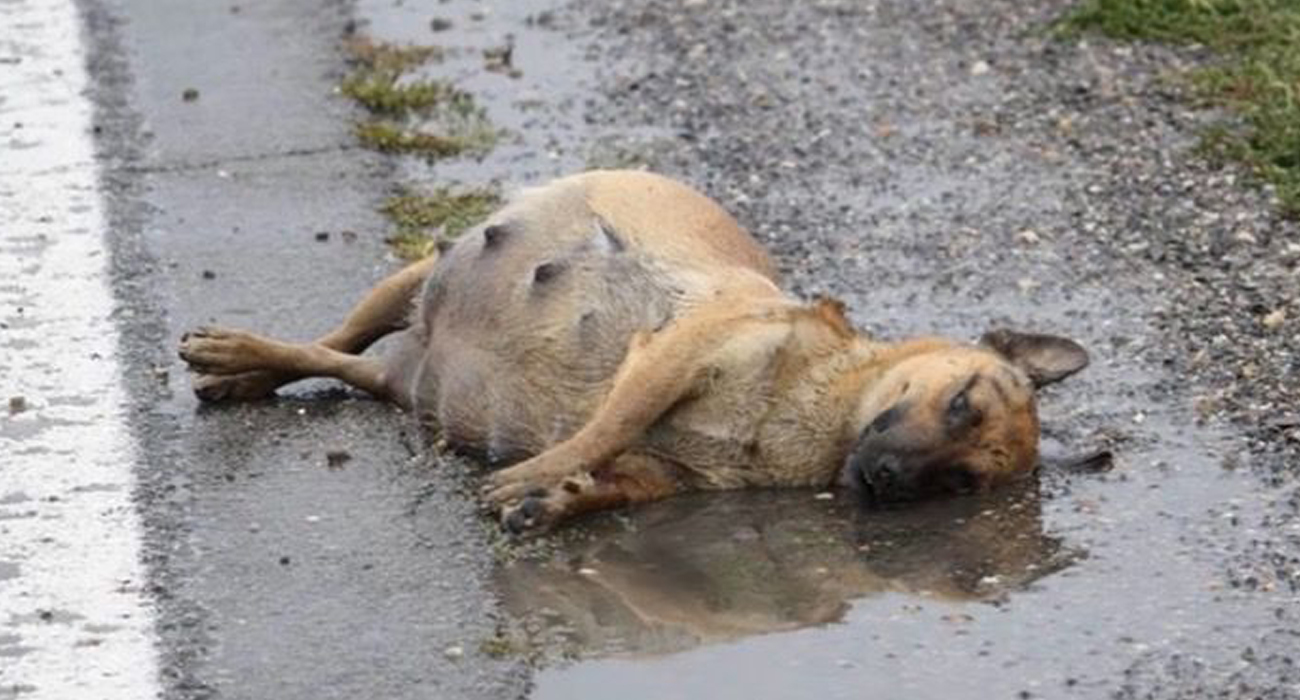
x=408, y=114
x=423, y=117
x=422, y=221
x=1257, y=74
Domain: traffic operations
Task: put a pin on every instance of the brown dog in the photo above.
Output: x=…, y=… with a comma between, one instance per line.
x=626, y=339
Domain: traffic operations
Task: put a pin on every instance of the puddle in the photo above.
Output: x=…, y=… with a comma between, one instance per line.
x=710, y=568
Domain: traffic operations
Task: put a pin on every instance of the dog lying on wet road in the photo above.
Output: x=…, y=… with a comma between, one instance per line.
x=616, y=337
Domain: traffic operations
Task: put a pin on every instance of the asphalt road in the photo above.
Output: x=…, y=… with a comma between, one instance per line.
x=944, y=167
x=276, y=575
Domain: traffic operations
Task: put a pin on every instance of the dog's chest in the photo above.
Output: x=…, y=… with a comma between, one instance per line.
x=765, y=418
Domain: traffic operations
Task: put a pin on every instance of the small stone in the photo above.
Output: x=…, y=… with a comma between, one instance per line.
x=209, y=275
x=439, y=24
x=322, y=236
x=1028, y=237
x=979, y=68
x=190, y=95
x=337, y=458
x=17, y=404
x=454, y=652
x=284, y=560
x=1274, y=320
x=825, y=496
x=587, y=571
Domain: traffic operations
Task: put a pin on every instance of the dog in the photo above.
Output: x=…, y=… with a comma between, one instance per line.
x=616, y=337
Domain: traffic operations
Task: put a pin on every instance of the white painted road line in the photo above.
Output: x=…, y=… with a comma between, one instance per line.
x=73, y=621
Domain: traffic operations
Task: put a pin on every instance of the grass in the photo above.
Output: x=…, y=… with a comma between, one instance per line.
x=422, y=220
x=387, y=137
x=383, y=93
x=376, y=56
x=431, y=118
x=1258, y=75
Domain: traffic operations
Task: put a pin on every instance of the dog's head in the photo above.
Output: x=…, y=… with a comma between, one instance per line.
x=956, y=418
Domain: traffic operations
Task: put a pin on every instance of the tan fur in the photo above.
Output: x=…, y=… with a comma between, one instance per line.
x=623, y=335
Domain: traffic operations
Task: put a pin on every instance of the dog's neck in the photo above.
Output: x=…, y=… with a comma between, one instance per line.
x=862, y=362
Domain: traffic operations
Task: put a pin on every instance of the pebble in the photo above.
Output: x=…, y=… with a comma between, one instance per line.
x=454, y=652
x=17, y=404
x=1274, y=319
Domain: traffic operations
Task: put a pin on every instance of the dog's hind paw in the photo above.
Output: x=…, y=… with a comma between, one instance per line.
x=222, y=351
x=249, y=386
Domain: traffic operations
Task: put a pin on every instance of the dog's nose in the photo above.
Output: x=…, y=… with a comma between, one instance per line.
x=886, y=471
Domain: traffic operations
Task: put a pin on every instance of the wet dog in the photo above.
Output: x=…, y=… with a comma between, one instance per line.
x=616, y=337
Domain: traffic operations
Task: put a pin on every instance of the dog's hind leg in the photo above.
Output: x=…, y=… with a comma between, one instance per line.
x=630, y=478
x=385, y=309
x=216, y=352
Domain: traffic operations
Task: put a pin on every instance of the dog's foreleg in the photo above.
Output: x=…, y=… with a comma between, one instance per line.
x=629, y=478
x=659, y=370
x=385, y=309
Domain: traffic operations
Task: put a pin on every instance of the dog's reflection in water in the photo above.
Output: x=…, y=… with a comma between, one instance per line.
x=699, y=570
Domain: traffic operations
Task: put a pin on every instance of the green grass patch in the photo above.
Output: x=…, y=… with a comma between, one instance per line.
x=386, y=94
x=421, y=220
x=431, y=118
x=1258, y=75
x=387, y=137
x=377, y=81
x=368, y=54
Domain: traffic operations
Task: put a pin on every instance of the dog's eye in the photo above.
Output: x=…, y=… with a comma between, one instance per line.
x=961, y=414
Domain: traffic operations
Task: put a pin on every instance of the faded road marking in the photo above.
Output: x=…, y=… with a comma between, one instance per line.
x=73, y=621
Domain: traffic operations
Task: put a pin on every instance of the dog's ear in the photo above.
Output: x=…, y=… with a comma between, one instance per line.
x=1045, y=358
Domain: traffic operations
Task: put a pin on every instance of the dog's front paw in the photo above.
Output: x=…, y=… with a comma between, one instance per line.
x=535, y=513
x=513, y=483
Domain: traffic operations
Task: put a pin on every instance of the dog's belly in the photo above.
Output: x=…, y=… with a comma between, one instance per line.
x=524, y=335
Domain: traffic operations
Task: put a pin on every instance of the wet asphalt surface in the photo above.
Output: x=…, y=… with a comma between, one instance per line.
x=940, y=168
